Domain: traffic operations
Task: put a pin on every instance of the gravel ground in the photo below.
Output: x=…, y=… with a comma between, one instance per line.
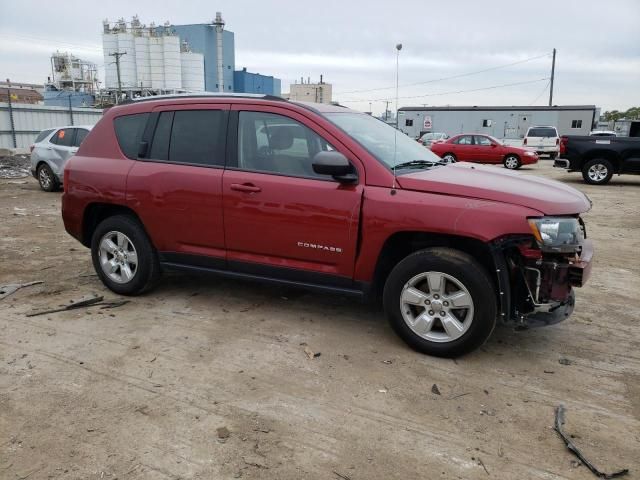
x=208, y=378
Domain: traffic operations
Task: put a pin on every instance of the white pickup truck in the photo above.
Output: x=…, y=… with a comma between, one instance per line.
x=543, y=139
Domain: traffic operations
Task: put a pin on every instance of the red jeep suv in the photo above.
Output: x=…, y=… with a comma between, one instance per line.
x=323, y=197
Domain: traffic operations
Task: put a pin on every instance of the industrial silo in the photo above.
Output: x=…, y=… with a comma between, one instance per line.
x=143, y=62
x=156, y=60
x=109, y=46
x=126, y=44
x=192, y=71
x=172, y=68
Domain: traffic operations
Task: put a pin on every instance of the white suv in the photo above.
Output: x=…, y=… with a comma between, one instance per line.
x=543, y=139
x=51, y=150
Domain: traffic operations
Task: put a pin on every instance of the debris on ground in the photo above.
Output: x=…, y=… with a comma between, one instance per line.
x=564, y=361
x=387, y=362
x=15, y=166
x=559, y=422
x=6, y=290
x=310, y=353
x=340, y=475
x=86, y=301
x=435, y=389
x=223, y=433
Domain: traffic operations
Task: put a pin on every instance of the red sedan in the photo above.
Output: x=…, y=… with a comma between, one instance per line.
x=483, y=149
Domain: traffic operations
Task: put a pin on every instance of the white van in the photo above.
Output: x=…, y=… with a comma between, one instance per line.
x=543, y=139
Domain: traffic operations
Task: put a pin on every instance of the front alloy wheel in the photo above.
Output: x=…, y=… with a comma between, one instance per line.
x=449, y=158
x=441, y=302
x=436, y=306
x=512, y=162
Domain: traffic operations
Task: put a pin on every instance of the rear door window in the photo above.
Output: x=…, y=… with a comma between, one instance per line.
x=482, y=140
x=464, y=140
x=129, y=129
x=542, y=132
x=197, y=137
x=64, y=137
x=81, y=134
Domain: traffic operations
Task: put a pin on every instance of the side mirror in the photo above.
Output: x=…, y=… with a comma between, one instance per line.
x=494, y=145
x=335, y=164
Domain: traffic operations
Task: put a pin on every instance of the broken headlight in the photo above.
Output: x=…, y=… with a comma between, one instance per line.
x=557, y=234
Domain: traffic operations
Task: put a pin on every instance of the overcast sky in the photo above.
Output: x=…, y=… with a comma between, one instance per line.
x=353, y=44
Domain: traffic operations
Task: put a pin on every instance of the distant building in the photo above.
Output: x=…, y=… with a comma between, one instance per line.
x=500, y=122
x=19, y=95
x=38, y=87
x=247, y=82
x=309, y=92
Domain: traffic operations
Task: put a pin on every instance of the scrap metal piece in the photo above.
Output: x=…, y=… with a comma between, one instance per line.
x=85, y=301
x=573, y=449
x=6, y=290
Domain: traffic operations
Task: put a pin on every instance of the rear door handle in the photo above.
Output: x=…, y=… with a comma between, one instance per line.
x=245, y=187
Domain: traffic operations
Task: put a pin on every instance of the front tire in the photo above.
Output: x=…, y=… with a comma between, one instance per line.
x=512, y=162
x=597, y=171
x=441, y=302
x=449, y=158
x=123, y=256
x=47, y=179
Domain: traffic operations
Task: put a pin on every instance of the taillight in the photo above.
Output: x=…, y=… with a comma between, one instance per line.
x=31, y=148
x=525, y=142
x=563, y=144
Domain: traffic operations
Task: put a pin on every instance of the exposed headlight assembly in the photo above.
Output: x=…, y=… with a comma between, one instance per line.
x=557, y=234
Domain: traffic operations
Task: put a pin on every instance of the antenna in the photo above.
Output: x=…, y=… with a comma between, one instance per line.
x=395, y=136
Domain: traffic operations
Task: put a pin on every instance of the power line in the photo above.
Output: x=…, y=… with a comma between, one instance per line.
x=541, y=93
x=476, y=72
x=48, y=41
x=448, y=93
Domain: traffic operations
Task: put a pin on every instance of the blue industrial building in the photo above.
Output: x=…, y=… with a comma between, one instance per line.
x=202, y=39
x=247, y=82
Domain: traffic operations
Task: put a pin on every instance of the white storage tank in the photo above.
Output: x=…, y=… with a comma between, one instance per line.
x=172, y=68
x=109, y=46
x=143, y=62
x=126, y=44
x=192, y=71
x=156, y=60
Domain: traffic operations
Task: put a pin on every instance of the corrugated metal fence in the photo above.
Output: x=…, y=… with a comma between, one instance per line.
x=20, y=123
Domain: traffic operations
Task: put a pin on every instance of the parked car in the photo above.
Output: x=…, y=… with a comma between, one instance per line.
x=428, y=138
x=544, y=140
x=472, y=147
x=50, y=152
x=598, y=158
x=603, y=133
x=329, y=199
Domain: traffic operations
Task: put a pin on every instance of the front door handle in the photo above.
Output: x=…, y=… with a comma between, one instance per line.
x=245, y=187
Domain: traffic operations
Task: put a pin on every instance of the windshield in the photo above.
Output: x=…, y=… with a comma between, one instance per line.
x=384, y=142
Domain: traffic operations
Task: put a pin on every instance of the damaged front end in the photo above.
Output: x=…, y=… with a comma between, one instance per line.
x=537, y=274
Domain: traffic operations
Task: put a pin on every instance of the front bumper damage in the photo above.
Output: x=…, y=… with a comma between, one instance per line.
x=536, y=288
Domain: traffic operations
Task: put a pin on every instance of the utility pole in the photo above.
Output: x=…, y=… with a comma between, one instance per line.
x=117, y=56
x=553, y=72
x=386, y=110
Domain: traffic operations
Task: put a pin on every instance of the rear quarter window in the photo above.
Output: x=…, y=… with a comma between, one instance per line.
x=542, y=132
x=129, y=129
x=42, y=135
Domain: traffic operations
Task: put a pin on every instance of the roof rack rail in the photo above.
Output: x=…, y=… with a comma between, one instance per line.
x=204, y=95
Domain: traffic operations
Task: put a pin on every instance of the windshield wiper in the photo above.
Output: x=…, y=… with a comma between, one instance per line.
x=419, y=163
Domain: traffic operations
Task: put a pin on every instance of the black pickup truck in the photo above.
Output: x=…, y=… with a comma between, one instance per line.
x=598, y=158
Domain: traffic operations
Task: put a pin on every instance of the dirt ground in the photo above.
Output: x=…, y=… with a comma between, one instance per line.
x=139, y=391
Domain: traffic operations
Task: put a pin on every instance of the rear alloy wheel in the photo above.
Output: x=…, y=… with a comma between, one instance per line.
x=47, y=179
x=449, y=158
x=512, y=162
x=123, y=257
x=597, y=171
x=441, y=302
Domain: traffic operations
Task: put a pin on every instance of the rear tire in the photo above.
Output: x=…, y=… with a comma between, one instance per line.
x=123, y=256
x=47, y=179
x=512, y=162
x=597, y=171
x=449, y=158
x=444, y=318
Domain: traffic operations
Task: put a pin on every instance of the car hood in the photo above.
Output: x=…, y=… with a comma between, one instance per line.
x=492, y=183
